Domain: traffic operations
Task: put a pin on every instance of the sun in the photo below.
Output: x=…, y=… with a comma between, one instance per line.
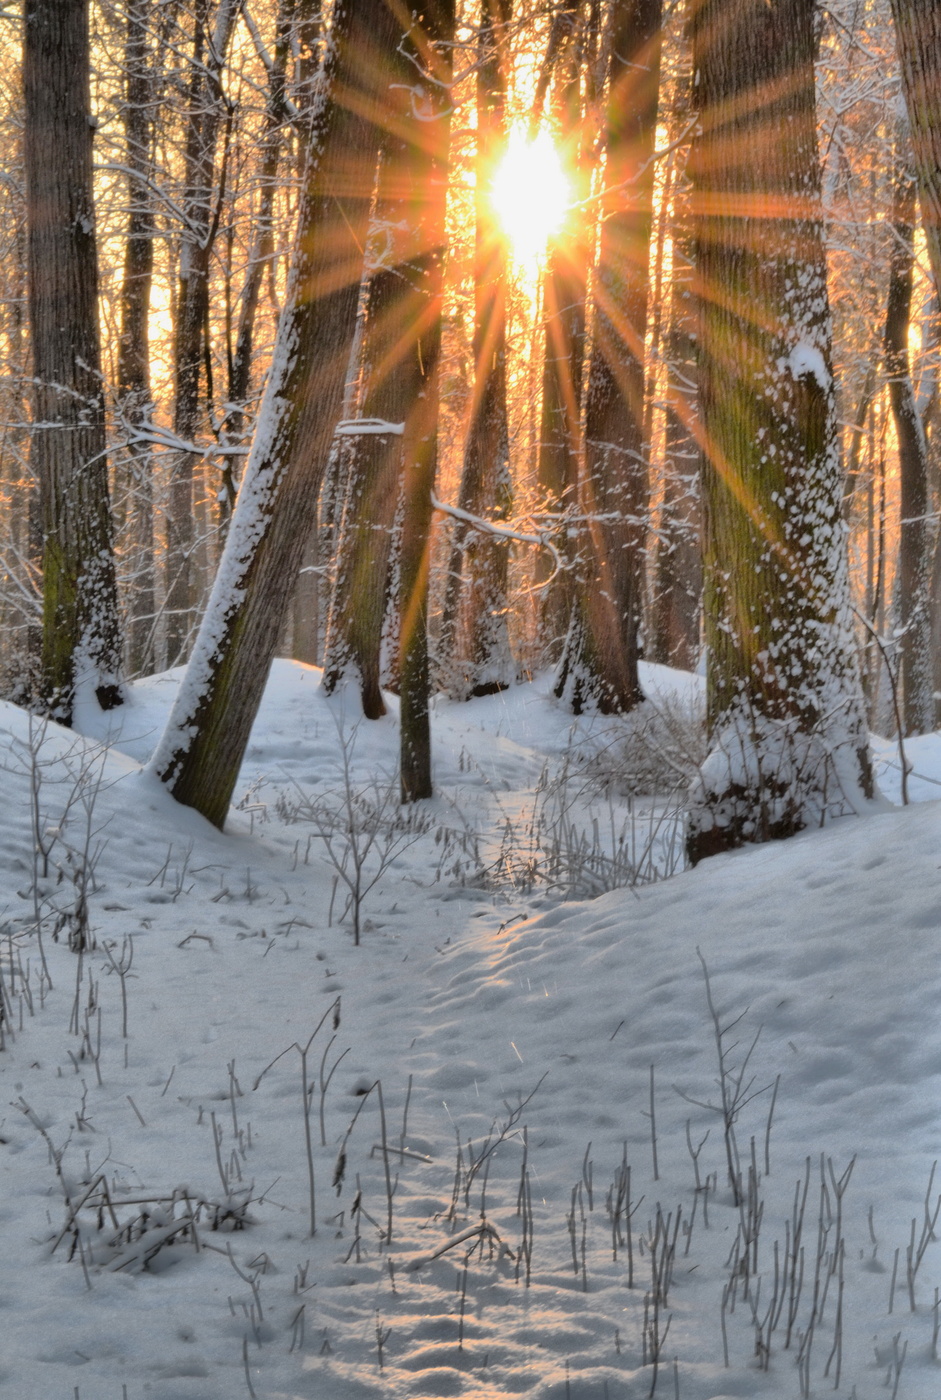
x=531, y=194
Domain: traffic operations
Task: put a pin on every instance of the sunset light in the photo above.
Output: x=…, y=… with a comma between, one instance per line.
x=531, y=194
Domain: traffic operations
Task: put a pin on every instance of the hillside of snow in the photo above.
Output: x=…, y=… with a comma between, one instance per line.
x=501, y=1113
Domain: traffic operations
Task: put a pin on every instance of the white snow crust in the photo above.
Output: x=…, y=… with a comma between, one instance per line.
x=464, y=1001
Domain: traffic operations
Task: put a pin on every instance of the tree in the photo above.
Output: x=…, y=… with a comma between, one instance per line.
x=677, y=592
x=393, y=443
x=206, y=107
x=371, y=448
x=475, y=645
x=201, y=750
x=918, y=37
x=914, y=618
x=564, y=290
x=134, y=493
x=81, y=635
x=272, y=141
x=599, y=667
x=785, y=715
x=426, y=128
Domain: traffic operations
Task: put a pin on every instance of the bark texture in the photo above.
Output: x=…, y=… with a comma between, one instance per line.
x=785, y=713
x=201, y=751
x=81, y=635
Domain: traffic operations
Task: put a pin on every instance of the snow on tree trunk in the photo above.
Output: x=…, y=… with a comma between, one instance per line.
x=785, y=713
x=202, y=748
x=81, y=636
x=475, y=646
x=599, y=667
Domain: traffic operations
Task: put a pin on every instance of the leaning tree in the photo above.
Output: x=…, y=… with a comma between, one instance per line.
x=201, y=750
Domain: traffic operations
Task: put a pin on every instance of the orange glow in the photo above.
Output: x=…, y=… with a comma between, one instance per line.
x=531, y=194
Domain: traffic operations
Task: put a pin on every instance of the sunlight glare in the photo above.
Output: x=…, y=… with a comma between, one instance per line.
x=531, y=193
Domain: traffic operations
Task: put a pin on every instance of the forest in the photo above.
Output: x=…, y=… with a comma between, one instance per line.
x=439, y=349
x=470, y=482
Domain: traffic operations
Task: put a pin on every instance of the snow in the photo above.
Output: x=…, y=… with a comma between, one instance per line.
x=808, y=359
x=464, y=1001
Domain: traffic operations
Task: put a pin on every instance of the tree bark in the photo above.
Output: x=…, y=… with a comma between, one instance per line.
x=81, y=635
x=599, y=668
x=201, y=750
x=785, y=712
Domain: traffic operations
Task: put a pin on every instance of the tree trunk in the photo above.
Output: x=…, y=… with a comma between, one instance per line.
x=134, y=476
x=677, y=608
x=427, y=130
x=475, y=644
x=205, y=110
x=81, y=636
x=361, y=591
x=914, y=534
x=564, y=284
x=599, y=668
x=785, y=713
x=262, y=250
x=201, y=750
x=918, y=37
x=676, y=613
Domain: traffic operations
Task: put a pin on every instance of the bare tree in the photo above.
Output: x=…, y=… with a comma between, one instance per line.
x=134, y=475
x=201, y=750
x=426, y=126
x=81, y=635
x=474, y=647
x=785, y=713
x=918, y=36
x=599, y=667
x=564, y=291
x=914, y=532
x=207, y=106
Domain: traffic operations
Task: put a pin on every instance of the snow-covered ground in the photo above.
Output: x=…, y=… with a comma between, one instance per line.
x=520, y=1041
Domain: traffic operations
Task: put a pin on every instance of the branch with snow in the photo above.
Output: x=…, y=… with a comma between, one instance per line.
x=503, y=532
